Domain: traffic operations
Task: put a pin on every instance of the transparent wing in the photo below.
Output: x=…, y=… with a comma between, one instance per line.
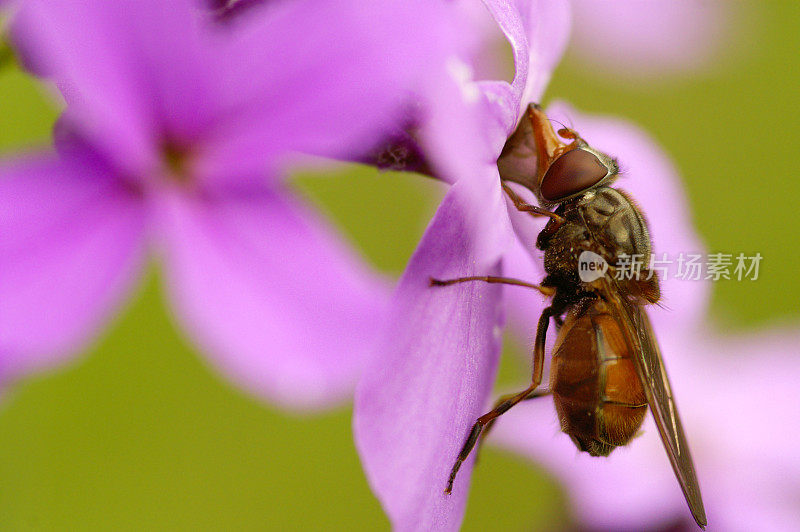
x=650, y=367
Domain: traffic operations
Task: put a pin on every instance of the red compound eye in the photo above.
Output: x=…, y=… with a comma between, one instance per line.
x=575, y=171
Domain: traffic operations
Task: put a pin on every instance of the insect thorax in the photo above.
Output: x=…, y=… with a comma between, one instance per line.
x=604, y=221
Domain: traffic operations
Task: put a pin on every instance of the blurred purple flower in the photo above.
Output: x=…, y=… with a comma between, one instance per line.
x=649, y=38
x=174, y=139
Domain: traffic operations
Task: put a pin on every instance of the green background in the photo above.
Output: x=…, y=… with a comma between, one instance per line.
x=139, y=433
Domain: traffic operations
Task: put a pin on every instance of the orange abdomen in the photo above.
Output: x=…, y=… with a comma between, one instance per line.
x=597, y=392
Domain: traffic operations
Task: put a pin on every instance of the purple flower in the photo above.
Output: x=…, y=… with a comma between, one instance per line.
x=649, y=38
x=436, y=365
x=174, y=142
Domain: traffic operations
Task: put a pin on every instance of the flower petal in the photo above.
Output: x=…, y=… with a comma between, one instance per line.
x=322, y=77
x=128, y=68
x=72, y=245
x=507, y=16
x=653, y=182
x=502, y=112
x=538, y=31
x=751, y=476
x=547, y=24
x=455, y=136
x=275, y=300
x=431, y=379
x=631, y=38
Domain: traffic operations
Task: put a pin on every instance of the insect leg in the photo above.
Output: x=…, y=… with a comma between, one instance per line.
x=501, y=400
x=533, y=210
x=478, y=427
x=507, y=404
x=539, y=342
x=492, y=279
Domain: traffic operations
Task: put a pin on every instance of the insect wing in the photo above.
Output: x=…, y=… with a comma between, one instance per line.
x=651, y=370
x=650, y=367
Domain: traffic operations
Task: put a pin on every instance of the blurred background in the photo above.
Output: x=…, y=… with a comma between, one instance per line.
x=139, y=433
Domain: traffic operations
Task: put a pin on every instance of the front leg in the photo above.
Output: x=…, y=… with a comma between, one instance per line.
x=533, y=210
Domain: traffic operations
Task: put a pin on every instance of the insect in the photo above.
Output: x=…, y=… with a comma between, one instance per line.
x=606, y=365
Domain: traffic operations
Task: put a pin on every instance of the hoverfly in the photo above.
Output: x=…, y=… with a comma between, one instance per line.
x=606, y=365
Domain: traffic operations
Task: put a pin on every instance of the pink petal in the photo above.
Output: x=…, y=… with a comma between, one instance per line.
x=524, y=305
x=502, y=112
x=751, y=475
x=653, y=182
x=538, y=31
x=171, y=41
x=270, y=294
x=507, y=15
x=547, y=24
x=483, y=38
x=430, y=381
x=456, y=139
x=129, y=67
x=72, y=245
x=319, y=77
x=632, y=38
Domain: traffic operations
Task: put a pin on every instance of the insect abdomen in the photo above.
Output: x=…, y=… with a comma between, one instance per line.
x=598, y=395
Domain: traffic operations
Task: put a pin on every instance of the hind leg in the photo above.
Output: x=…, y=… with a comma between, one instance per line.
x=501, y=400
x=506, y=403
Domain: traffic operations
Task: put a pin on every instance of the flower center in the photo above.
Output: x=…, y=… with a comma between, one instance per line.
x=176, y=157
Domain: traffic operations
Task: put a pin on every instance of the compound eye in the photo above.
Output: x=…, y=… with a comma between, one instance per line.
x=575, y=171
